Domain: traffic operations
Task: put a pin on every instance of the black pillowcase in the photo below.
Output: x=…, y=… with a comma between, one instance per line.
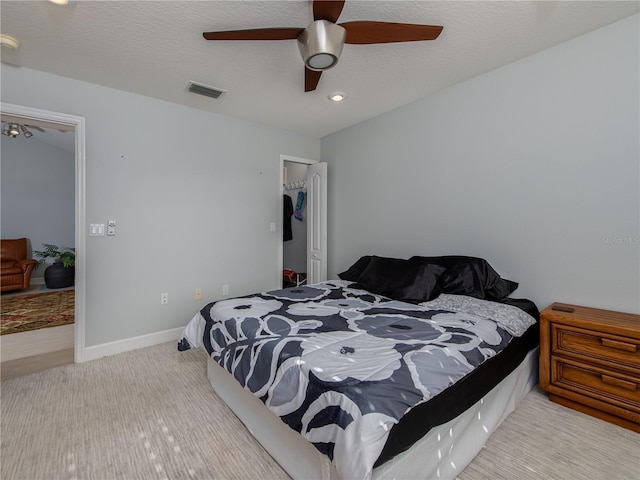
x=470, y=276
x=403, y=280
x=453, y=274
x=352, y=274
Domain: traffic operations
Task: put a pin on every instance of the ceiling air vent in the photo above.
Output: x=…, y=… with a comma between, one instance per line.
x=205, y=90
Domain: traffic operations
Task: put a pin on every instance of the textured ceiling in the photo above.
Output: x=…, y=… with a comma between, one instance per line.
x=156, y=48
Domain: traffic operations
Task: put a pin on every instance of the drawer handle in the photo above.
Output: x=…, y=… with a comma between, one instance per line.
x=627, y=347
x=618, y=383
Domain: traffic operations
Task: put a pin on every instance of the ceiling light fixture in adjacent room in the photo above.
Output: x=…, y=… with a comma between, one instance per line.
x=26, y=132
x=337, y=96
x=13, y=130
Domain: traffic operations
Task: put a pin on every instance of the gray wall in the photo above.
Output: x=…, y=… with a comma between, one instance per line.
x=534, y=166
x=193, y=204
x=37, y=193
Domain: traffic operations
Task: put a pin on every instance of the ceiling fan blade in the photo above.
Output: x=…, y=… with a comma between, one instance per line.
x=311, y=79
x=256, y=34
x=364, y=32
x=328, y=10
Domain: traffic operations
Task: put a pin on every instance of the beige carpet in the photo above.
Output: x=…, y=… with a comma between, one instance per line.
x=150, y=414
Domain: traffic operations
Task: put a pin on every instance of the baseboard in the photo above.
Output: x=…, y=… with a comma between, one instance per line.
x=120, y=346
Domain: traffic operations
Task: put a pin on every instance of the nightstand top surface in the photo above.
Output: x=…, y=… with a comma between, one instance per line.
x=621, y=322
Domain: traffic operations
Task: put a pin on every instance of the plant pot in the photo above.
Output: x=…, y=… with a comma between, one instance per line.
x=59, y=276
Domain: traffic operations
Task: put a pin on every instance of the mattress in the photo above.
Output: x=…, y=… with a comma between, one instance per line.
x=443, y=453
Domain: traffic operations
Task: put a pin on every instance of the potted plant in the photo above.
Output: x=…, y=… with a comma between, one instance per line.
x=61, y=273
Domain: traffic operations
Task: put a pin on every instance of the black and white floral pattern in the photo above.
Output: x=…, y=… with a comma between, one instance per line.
x=342, y=366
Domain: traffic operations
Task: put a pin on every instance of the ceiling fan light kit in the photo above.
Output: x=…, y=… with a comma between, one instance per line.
x=321, y=44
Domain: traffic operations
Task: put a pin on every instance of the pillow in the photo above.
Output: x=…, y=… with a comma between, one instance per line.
x=501, y=290
x=470, y=276
x=354, y=271
x=402, y=280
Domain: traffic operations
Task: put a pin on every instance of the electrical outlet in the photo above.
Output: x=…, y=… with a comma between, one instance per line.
x=225, y=289
x=198, y=294
x=111, y=228
x=164, y=298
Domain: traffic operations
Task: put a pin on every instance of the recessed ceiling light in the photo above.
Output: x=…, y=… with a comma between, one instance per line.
x=9, y=42
x=64, y=3
x=337, y=96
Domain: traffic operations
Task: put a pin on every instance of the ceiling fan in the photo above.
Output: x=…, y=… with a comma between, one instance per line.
x=321, y=42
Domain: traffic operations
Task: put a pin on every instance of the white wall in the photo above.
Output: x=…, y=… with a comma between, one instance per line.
x=534, y=166
x=37, y=188
x=170, y=176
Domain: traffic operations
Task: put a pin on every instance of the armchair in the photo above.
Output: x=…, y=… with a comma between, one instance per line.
x=15, y=267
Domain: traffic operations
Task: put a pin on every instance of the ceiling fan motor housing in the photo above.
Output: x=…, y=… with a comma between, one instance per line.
x=321, y=44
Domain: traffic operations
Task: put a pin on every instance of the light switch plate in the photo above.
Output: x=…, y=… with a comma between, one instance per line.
x=96, y=230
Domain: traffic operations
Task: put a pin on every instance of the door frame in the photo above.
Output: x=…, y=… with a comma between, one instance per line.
x=63, y=121
x=292, y=159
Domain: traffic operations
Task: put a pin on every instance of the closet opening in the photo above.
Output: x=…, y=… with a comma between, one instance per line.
x=303, y=239
x=294, y=224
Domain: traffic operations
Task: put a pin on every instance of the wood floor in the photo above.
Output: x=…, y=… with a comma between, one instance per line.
x=29, y=352
x=35, y=363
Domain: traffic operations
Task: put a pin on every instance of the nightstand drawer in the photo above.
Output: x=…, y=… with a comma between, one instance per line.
x=599, y=383
x=577, y=342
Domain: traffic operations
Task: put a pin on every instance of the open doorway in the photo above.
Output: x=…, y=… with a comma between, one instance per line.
x=303, y=241
x=53, y=345
x=295, y=218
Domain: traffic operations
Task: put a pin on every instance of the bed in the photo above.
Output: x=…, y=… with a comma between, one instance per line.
x=398, y=369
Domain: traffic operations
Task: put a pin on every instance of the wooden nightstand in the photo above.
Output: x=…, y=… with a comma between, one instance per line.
x=590, y=361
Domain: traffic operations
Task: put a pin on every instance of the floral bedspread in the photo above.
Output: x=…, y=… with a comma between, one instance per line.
x=341, y=366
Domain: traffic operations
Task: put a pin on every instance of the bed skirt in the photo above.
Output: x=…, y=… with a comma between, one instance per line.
x=441, y=454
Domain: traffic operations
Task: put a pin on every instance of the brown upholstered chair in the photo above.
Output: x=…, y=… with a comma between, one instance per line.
x=15, y=267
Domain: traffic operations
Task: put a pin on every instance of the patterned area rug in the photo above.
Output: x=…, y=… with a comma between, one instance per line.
x=22, y=313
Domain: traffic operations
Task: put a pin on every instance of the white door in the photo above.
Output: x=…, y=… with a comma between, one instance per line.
x=317, y=222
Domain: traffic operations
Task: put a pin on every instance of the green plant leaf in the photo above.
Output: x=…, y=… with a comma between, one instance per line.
x=65, y=255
